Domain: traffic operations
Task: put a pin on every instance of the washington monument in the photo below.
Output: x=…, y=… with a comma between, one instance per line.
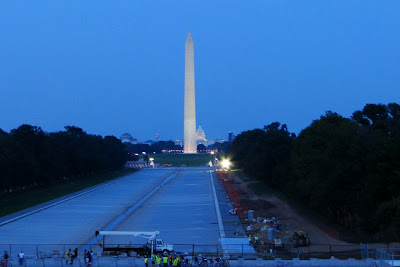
x=190, y=105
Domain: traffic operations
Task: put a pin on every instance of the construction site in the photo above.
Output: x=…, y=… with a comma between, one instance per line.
x=277, y=230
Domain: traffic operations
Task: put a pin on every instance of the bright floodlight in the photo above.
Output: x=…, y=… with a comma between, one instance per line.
x=226, y=164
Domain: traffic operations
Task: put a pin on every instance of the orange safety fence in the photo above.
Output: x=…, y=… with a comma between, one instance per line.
x=234, y=195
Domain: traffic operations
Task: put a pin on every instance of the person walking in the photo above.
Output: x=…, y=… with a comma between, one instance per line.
x=6, y=256
x=87, y=257
x=158, y=259
x=176, y=261
x=21, y=256
x=74, y=255
x=146, y=261
x=90, y=256
x=165, y=261
x=153, y=259
x=67, y=256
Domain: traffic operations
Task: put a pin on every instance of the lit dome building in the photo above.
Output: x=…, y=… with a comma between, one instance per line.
x=201, y=137
x=127, y=138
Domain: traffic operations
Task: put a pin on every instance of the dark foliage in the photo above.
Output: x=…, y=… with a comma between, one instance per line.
x=347, y=169
x=223, y=147
x=201, y=148
x=30, y=157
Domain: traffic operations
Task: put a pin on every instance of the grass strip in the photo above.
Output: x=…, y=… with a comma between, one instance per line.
x=177, y=160
x=16, y=201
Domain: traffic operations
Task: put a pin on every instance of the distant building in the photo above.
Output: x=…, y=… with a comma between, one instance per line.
x=127, y=138
x=148, y=142
x=179, y=143
x=231, y=137
x=201, y=137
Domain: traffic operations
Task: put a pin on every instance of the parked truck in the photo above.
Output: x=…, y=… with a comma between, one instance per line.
x=128, y=245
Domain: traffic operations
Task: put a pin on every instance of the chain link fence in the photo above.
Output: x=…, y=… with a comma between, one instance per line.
x=54, y=254
x=265, y=251
x=387, y=258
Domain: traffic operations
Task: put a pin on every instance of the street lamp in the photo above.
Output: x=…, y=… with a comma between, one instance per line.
x=226, y=164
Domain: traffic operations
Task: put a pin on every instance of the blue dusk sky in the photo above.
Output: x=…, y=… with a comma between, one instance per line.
x=112, y=67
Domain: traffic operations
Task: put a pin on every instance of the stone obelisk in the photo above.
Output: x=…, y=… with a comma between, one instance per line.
x=189, y=145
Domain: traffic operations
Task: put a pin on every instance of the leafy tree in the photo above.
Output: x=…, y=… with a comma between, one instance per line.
x=347, y=169
x=322, y=166
x=265, y=154
x=31, y=157
x=223, y=147
x=201, y=148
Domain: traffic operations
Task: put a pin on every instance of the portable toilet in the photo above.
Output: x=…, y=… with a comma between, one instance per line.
x=250, y=215
x=271, y=234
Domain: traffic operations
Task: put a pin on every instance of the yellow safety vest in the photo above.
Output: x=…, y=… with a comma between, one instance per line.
x=176, y=262
x=165, y=259
x=158, y=260
x=145, y=260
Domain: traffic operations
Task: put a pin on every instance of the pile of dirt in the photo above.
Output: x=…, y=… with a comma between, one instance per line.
x=262, y=235
x=258, y=226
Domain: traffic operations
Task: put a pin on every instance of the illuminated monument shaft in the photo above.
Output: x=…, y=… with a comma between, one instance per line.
x=190, y=105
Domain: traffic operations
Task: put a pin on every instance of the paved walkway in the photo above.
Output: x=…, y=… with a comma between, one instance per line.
x=75, y=220
x=183, y=210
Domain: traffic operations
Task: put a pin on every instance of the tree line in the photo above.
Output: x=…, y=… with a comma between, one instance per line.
x=345, y=168
x=158, y=147
x=31, y=157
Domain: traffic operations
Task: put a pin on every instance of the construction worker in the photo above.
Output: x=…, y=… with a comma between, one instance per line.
x=165, y=260
x=146, y=261
x=256, y=240
x=67, y=256
x=171, y=260
x=176, y=261
x=262, y=242
x=250, y=239
x=158, y=259
x=153, y=259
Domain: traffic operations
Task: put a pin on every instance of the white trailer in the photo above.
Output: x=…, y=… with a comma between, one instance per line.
x=151, y=245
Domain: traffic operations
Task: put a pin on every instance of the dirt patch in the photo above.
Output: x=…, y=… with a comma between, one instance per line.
x=262, y=207
x=270, y=206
